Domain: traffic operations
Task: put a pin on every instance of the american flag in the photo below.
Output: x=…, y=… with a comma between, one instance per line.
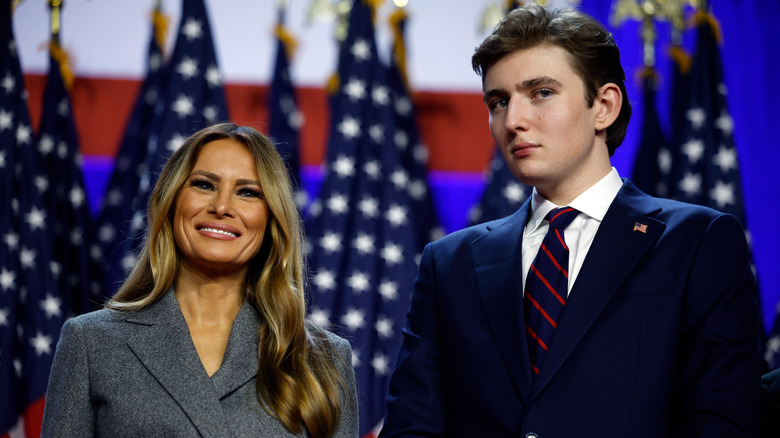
x=503, y=194
x=76, y=251
x=191, y=98
x=414, y=154
x=285, y=117
x=361, y=228
x=31, y=308
x=117, y=211
x=652, y=165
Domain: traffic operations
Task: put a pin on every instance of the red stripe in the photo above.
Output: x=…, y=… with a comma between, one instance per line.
x=560, y=213
x=538, y=307
x=547, y=251
x=534, y=369
x=535, y=336
x=557, y=233
x=544, y=280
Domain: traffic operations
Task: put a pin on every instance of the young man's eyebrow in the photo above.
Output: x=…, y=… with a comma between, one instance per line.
x=539, y=81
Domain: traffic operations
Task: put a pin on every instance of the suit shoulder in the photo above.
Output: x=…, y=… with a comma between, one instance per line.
x=472, y=232
x=692, y=213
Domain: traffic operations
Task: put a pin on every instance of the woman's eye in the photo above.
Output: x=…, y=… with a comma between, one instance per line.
x=201, y=184
x=250, y=193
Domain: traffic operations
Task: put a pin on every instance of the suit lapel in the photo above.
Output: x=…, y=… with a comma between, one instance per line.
x=616, y=249
x=239, y=364
x=498, y=272
x=164, y=346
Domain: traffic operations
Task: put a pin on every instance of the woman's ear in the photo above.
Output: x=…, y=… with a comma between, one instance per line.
x=606, y=105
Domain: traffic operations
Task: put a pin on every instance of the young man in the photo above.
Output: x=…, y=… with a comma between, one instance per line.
x=653, y=329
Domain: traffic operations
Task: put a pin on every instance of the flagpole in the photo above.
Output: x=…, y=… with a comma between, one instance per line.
x=56, y=6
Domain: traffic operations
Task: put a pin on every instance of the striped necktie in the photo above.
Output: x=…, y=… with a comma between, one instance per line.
x=547, y=285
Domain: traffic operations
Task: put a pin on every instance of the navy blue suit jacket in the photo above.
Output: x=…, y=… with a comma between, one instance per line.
x=659, y=336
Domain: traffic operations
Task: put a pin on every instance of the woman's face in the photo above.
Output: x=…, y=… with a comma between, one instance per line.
x=220, y=213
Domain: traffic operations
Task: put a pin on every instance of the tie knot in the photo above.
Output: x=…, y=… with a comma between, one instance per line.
x=560, y=218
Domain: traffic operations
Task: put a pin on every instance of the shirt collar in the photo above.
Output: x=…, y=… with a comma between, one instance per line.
x=593, y=202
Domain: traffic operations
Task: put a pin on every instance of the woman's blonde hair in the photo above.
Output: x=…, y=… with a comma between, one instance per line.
x=298, y=381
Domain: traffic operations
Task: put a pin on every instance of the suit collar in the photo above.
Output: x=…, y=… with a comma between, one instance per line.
x=616, y=249
x=498, y=273
x=164, y=346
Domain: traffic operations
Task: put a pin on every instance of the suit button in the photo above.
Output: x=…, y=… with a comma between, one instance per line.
x=531, y=435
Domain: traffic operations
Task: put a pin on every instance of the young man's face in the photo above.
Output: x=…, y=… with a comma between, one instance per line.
x=540, y=120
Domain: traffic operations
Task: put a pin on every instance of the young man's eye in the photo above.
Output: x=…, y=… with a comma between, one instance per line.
x=543, y=93
x=497, y=103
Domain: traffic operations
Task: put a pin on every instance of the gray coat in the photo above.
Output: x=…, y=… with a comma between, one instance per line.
x=138, y=374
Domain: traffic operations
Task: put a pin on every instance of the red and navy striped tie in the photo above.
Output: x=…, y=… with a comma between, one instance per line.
x=547, y=286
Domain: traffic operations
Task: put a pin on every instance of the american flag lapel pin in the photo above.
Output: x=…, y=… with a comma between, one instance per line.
x=642, y=228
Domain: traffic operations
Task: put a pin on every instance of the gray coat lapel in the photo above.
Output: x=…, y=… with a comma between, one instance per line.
x=498, y=271
x=239, y=365
x=163, y=345
x=615, y=251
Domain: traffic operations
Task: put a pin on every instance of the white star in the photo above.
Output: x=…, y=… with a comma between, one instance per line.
x=23, y=134
x=665, y=161
x=331, y=242
x=377, y=133
x=324, y=280
x=399, y=178
x=725, y=123
x=76, y=197
x=192, y=29
x=384, y=327
x=128, y=261
x=696, y=116
x=403, y=106
x=12, y=240
x=27, y=258
x=7, y=279
x=41, y=182
x=726, y=159
x=364, y=243
x=41, y=343
x=353, y=319
x=381, y=364
x=183, y=106
x=396, y=215
x=4, y=314
x=106, y=233
x=210, y=113
x=337, y=204
x=355, y=89
x=421, y=154
x=514, y=192
x=175, y=142
x=401, y=139
x=45, y=144
x=380, y=95
x=2, y=159
x=8, y=83
x=392, y=253
x=6, y=120
x=349, y=128
x=51, y=306
x=36, y=218
x=344, y=166
x=356, y=358
x=76, y=236
x=63, y=109
x=417, y=189
x=723, y=194
x=188, y=68
x=55, y=268
x=212, y=76
x=361, y=50
x=772, y=347
x=369, y=207
x=388, y=289
x=320, y=317
x=359, y=282
x=373, y=170
x=690, y=184
x=694, y=149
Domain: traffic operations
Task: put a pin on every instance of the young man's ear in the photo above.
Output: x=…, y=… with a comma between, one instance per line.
x=607, y=104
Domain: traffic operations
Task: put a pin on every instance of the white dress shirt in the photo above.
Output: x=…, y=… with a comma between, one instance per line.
x=592, y=205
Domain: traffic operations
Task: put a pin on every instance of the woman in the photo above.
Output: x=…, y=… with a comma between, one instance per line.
x=207, y=335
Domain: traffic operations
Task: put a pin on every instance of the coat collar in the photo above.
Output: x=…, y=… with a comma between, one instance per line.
x=498, y=272
x=163, y=344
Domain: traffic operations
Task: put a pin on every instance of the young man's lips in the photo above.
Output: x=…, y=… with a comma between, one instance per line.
x=523, y=149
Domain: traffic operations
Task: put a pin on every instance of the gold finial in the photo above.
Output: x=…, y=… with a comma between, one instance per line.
x=56, y=6
x=648, y=12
